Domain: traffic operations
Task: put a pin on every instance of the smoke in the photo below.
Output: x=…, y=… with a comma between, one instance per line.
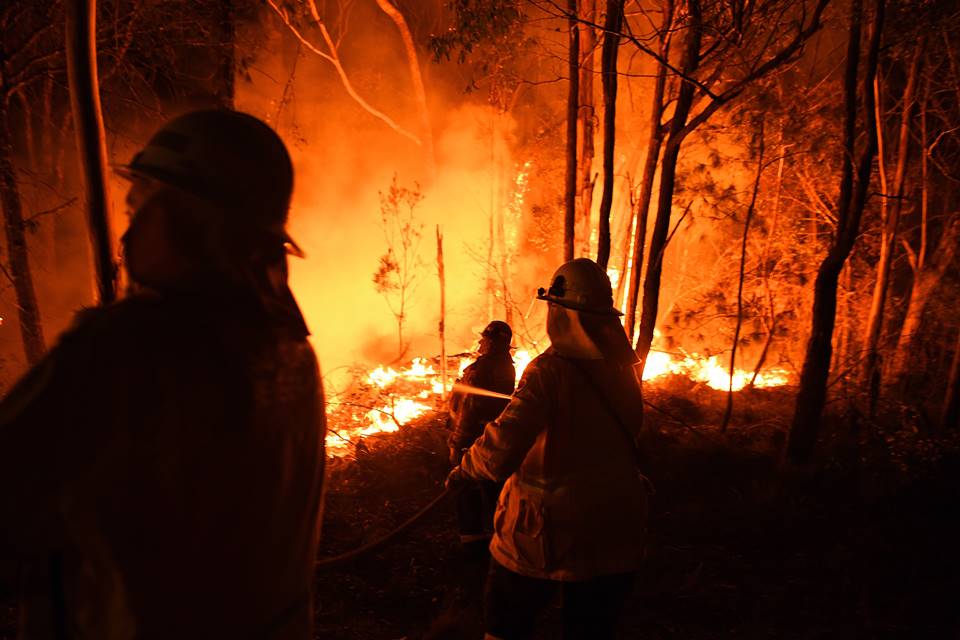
x=344, y=157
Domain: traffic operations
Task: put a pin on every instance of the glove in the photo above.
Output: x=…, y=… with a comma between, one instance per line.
x=456, y=479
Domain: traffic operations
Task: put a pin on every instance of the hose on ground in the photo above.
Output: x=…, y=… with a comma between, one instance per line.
x=349, y=556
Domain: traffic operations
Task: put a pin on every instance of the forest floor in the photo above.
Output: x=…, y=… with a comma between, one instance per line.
x=865, y=544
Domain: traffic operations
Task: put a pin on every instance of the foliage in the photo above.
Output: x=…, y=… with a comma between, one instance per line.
x=476, y=23
x=489, y=35
x=400, y=268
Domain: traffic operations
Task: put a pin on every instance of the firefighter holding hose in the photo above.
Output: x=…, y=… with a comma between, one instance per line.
x=492, y=370
x=572, y=515
x=161, y=468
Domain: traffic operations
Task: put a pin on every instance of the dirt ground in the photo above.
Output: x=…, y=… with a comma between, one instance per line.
x=739, y=548
x=866, y=544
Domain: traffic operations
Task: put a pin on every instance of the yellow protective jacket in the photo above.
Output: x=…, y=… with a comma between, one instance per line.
x=161, y=473
x=574, y=506
x=469, y=412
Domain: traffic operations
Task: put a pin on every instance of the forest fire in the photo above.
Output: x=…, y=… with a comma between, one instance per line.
x=406, y=394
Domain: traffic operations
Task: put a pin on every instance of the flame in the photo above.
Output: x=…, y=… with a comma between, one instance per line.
x=382, y=377
x=710, y=372
x=407, y=393
x=390, y=418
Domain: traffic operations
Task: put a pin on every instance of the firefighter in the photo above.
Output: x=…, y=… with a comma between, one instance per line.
x=571, y=517
x=161, y=468
x=492, y=370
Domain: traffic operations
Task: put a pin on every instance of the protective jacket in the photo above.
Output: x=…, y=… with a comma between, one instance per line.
x=574, y=505
x=161, y=473
x=470, y=413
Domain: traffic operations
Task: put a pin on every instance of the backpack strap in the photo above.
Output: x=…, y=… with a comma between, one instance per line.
x=609, y=407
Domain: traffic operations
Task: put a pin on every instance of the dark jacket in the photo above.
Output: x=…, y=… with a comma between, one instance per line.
x=161, y=473
x=469, y=413
x=574, y=504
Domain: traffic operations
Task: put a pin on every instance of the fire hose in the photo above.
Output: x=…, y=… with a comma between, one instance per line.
x=349, y=556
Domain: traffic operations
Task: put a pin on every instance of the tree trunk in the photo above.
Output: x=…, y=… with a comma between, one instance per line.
x=573, y=98
x=416, y=77
x=442, y=326
x=31, y=328
x=891, y=222
x=728, y=413
x=225, y=89
x=925, y=281
x=812, y=393
x=654, y=142
x=587, y=114
x=951, y=399
x=611, y=44
x=91, y=142
x=668, y=171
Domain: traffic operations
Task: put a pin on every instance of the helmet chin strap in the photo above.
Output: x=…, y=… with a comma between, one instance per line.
x=568, y=336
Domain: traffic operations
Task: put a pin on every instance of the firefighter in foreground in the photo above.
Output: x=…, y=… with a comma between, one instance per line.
x=161, y=469
x=572, y=514
x=469, y=413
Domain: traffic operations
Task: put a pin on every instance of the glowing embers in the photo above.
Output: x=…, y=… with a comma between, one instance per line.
x=710, y=372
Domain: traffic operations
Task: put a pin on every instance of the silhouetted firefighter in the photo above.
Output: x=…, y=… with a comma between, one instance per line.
x=161, y=468
x=572, y=514
x=493, y=371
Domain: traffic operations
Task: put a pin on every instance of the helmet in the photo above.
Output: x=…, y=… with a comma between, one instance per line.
x=582, y=285
x=226, y=157
x=498, y=330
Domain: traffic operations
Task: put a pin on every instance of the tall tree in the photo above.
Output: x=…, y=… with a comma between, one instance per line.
x=950, y=411
x=890, y=214
x=652, y=160
x=12, y=79
x=573, y=108
x=91, y=140
x=611, y=45
x=329, y=50
x=18, y=260
x=741, y=47
x=416, y=77
x=588, y=113
x=748, y=218
x=854, y=188
x=668, y=174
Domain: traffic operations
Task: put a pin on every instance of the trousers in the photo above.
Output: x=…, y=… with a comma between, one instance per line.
x=590, y=609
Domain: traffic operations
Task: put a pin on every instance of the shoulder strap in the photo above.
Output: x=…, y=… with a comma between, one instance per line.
x=609, y=407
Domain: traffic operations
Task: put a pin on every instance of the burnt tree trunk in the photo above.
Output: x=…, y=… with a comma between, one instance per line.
x=573, y=99
x=31, y=328
x=587, y=113
x=91, y=142
x=654, y=143
x=891, y=221
x=812, y=393
x=668, y=175
x=611, y=44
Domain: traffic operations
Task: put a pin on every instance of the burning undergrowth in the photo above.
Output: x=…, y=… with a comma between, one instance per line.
x=382, y=400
